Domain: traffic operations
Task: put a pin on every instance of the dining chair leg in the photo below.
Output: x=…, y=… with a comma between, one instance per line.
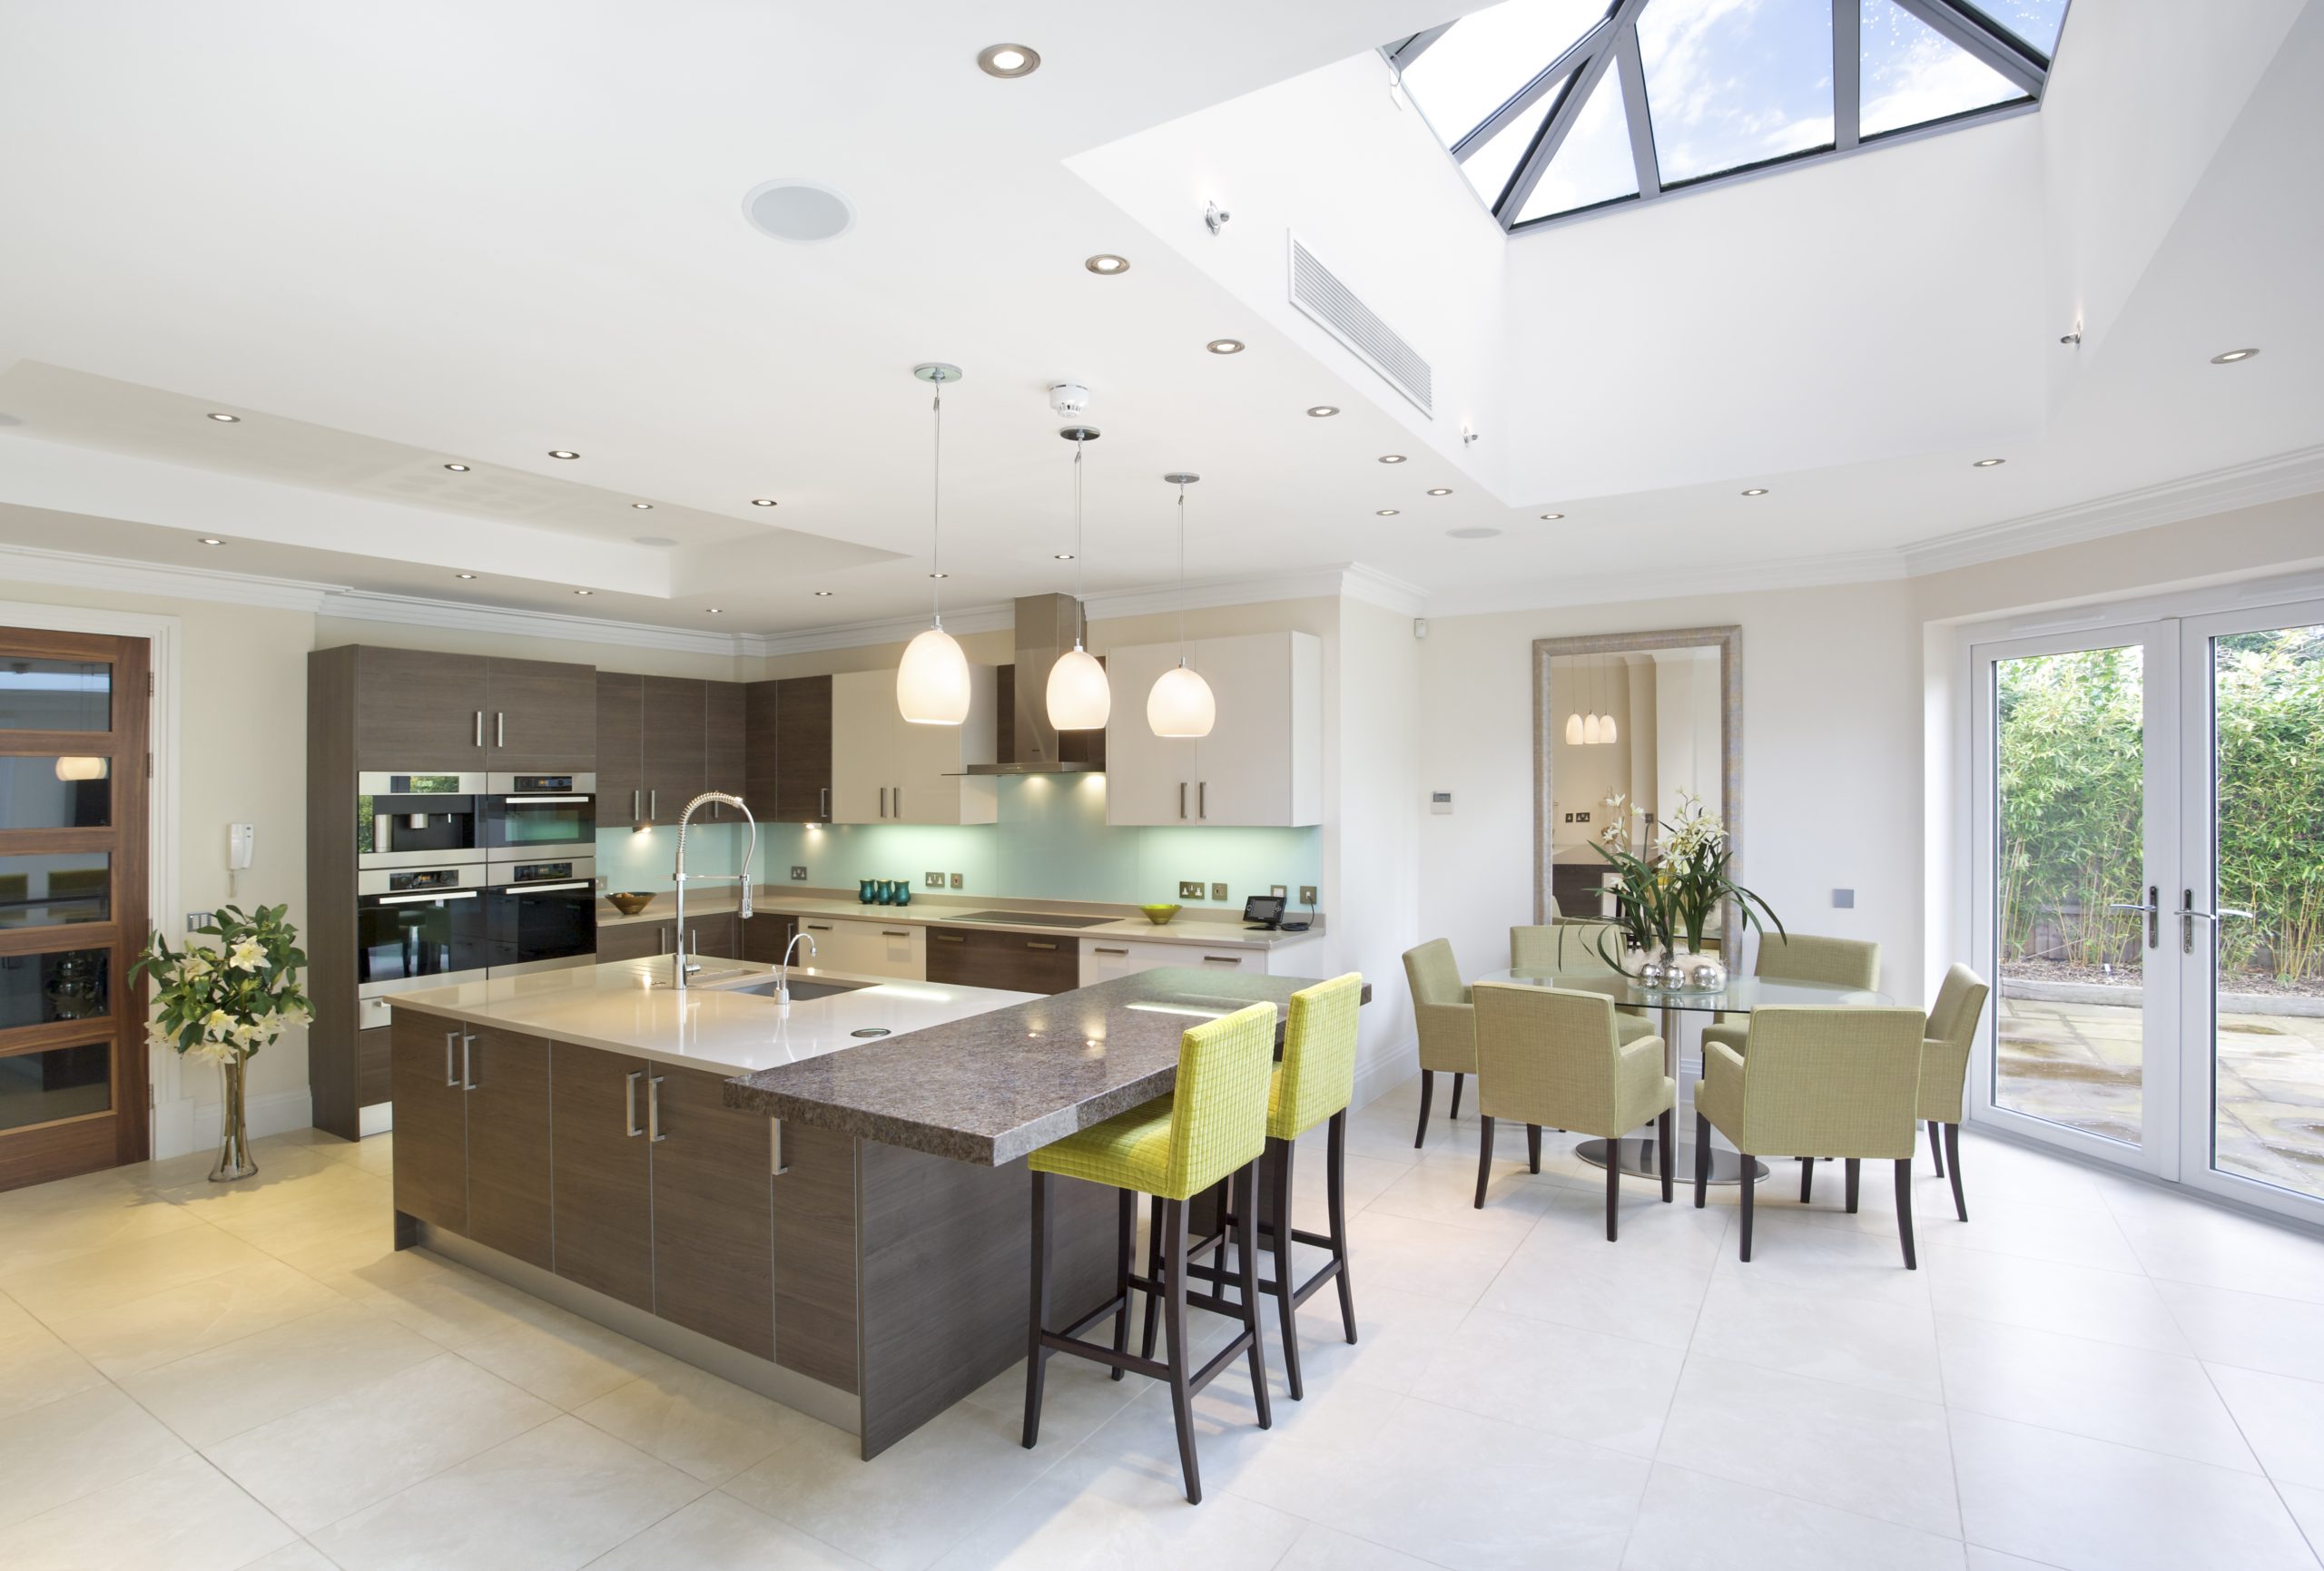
x=1286, y=1290
x=1904, y=1210
x=1749, y=1186
x=1154, y=1262
x=1533, y=1146
x=1807, y=1179
x=1485, y=1158
x=1935, y=1148
x=1613, y=1186
x=1666, y=1157
x=1702, y=1157
x=1174, y=1324
x=1454, y=1115
x=1336, y=1184
x=1427, y=1093
x=1953, y=1161
x=1125, y=1240
x=1248, y=1255
x=1037, y=1358
x=1854, y=1169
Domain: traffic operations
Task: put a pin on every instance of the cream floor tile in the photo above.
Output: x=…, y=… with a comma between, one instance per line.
x=374, y=1154
x=1982, y=1559
x=72, y=1447
x=2178, y=1238
x=1585, y=1384
x=719, y=1533
x=1061, y=1523
x=37, y=1367
x=562, y=1358
x=2251, y=1330
x=366, y=1203
x=1445, y=1197
x=1791, y=1248
x=67, y=1288
x=1862, y=1451
x=704, y=1426
x=2103, y=1305
x=160, y=1327
x=2088, y=1506
x=915, y=1500
x=442, y=1302
x=2061, y=1234
x=218, y=1393
x=2161, y=1401
x=1876, y=1344
x=15, y=1318
x=62, y=1232
x=2307, y=1508
x=297, y=1556
x=1693, y=1519
x=1574, y=1277
x=1398, y=1334
x=1320, y=1549
x=1077, y=1398
x=337, y=1457
x=553, y=1498
x=2003, y=1168
x=1425, y=1257
x=331, y=1254
x=182, y=1515
x=186, y=1179
x=2282, y=1417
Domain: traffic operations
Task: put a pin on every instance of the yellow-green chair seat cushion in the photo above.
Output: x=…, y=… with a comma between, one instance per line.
x=1128, y=1151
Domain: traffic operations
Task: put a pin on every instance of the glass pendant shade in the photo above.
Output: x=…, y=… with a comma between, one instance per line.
x=1078, y=698
x=1573, y=730
x=1181, y=704
x=1589, y=728
x=932, y=682
x=1606, y=732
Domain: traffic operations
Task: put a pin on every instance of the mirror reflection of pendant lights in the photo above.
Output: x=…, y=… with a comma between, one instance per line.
x=1606, y=731
x=932, y=682
x=1590, y=728
x=1078, y=698
x=1181, y=704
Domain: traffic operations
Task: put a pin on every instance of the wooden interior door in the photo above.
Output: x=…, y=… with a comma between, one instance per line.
x=73, y=784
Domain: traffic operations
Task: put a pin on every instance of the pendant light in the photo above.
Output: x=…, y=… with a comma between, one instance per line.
x=932, y=682
x=1078, y=698
x=1606, y=731
x=1181, y=704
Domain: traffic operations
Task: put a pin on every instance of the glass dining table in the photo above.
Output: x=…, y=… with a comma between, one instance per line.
x=1741, y=995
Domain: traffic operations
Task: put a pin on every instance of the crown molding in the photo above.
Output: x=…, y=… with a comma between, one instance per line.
x=1713, y=578
x=71, y=569
x=880, y=629
x=2275, y=478
x=413, y=611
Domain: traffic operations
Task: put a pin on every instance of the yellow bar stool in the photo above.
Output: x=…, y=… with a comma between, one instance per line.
x=1213, y=1127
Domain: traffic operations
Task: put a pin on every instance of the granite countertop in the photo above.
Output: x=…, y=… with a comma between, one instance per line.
x=1226, y=932
x=619, y=1008
x=991, y=1088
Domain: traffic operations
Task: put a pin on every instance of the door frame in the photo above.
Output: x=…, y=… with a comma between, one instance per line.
x=170, y=1123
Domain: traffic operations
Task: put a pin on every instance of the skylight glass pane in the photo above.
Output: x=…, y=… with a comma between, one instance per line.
x=2035, y=21
x=1483, y=60
x=1736, y=82
x=1594, y=164
x=1490, y=167
x=1911, y=76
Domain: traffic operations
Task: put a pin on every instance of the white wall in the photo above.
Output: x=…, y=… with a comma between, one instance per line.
x=1370, y=834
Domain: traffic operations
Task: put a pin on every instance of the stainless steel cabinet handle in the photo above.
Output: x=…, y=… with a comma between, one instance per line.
x=1038, y=944
x=425, y=899
x=1202, y=799
x=775, y=1163
x=544, y=888
x=819, y=926
x=500, y=728
x=823, y=803
x=629, y=1100
x=452, y=1076
x=1182, y=798
x=1102, y=951
x=662, y=940
x=1222, y=959
x=652, y=804
x=479, y=728
x=890, y=933
x=654, y=1135
x=900, y=802
x=948, y=937
x=468, y=1062
x=637, y=806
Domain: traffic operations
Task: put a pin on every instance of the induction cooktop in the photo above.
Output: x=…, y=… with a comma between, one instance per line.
x=1031, y=918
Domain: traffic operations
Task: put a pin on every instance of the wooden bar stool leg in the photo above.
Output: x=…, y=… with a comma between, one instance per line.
x=1173, y=1327
x=1125, y=1240
x=1285, y=1289
x=1427, y=1091
x=1248, y=1182
x=1335, y=1160
x=1153, y=1257
x=1037, y=1357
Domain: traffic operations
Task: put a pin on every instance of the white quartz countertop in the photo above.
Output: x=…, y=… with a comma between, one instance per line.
x=628, y=1007
x=1226, y=932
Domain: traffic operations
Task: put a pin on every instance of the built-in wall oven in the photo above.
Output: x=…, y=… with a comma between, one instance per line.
x=541, y=914
x=418, y=927
x=410, y=818
x=540, y=816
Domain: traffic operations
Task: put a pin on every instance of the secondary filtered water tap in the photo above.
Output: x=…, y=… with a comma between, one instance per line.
x=782, y=967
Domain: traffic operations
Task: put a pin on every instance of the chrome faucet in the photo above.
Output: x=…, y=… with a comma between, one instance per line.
x=783, y=967
x=681, y=967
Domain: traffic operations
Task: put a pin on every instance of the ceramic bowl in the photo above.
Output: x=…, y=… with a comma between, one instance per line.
x=629, y=902
x=1157, y=915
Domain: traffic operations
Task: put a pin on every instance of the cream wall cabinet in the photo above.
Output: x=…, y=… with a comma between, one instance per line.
x=1263, y=763
x=885, y=769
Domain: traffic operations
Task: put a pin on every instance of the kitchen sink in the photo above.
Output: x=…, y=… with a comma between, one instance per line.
x=801, y=989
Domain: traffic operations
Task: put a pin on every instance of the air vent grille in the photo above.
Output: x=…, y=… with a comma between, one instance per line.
x=1319, y=295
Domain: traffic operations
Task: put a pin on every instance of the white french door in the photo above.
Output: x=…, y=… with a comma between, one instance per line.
x=2149, y=852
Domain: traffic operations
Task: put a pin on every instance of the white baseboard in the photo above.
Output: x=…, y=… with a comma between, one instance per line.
x=377, y=1118
x=1386, y=1071
x=275, y=1113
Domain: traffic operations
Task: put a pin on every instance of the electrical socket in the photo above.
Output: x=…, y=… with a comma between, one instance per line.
x=197, y=920
x=935, y=880
x=1219, y=891
x=604, y=883
x=1189, y=888
x=798, y=874
x=957, y=881
x=1307, y=895
x=1277, y=890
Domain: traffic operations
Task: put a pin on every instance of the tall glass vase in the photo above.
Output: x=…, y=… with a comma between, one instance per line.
x=234, y=1159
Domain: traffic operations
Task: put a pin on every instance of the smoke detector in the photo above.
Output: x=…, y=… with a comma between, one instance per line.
x=1068, y=398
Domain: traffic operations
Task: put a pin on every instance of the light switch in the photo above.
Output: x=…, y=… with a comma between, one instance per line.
x=956, y=880
x=1219, y=891
x=1440, y=801
x=1844, y=899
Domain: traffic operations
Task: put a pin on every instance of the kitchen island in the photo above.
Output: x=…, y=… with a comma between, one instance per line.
x=826, y=1203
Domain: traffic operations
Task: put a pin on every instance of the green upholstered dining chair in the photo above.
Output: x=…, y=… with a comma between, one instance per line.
x=1440, y=1013
x=1802, y=957
x=1951, y=1032
x=1551, y=1056
x=1817, y=1082
x=1211, y=1128
x=1575, y=946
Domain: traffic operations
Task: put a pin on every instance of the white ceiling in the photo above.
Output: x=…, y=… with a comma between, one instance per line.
x=444, y=232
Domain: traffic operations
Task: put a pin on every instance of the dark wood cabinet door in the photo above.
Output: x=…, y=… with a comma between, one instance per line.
x=727, y=747
x=600, y=1183
x=802, y=750
x=542, y=715
x=677, y=745
x=508, y=1156
x=1019, y=962
x=431, y=1154
x=814, y=1255
x=766, y=935
x=632, y=941
x=375, y=1072
x=621, y=749
x=416, y=710
x=762, y=731
x=717, y=938
x=713, y=1269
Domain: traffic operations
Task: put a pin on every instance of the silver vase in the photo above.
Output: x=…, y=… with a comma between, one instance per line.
x=234, y=1159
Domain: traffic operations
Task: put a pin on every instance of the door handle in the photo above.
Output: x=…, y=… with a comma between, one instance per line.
x=948, y=937
x=654, y=1135
x=1202, y=799
x=2153, y=909
x=629, y=1099
x=479, y=728
x=819, y=926
x=1038, y=944
x=468, y=1062
x=637, y=806
x=1182, y=798
x=1101, y=951
x=451, y=1076
x=823, y=802
x=890, y=933
x=775, y=1164
x=500, y=728
x=883, y=801
x=652, y=804
x=2189, y=916
x=1222, y=959
x=900, y=802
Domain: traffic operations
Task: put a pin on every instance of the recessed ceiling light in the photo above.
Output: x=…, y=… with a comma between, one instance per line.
x=822, y=593
x=1475, y=532
x=237, y=419
x=1551, y=517
x=940, y=575
x=642, y=506
x=1322, y=411
x=1757, y=491
x=1106, y=262
x=1989, y=462
x=466, y=575
x=563, y=452
x=1225, y=346
x=762, y=501
x=717, y=611
x=1385, y=513
x=585, y=592
x=800, y=212
x=1440, y=490
x=1006, y=60
x=1392, y=457
x=211, y=540
x=2228, y=358
x=457, y=468
x=1062, y=557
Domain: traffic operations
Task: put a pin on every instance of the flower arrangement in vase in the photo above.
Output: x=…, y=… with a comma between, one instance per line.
x=1666, y=901
x=225, y=1003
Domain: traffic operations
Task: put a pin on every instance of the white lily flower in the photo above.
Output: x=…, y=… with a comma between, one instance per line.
x=249, y=955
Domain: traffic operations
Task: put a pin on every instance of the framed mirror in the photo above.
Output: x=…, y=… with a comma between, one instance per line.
x=1625, y=726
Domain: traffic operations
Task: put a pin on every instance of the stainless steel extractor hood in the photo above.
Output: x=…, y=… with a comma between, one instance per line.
x=1028, y=745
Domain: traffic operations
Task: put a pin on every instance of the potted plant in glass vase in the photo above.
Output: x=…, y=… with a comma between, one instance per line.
x=1668, y=902
x=224, y=1003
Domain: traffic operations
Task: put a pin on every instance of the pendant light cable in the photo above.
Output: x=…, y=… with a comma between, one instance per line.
x=1080, y=612
x=1182, y=571
x=936, y=511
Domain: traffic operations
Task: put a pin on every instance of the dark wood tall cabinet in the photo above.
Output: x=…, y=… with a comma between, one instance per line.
x=621, y=749
x=788, y=764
